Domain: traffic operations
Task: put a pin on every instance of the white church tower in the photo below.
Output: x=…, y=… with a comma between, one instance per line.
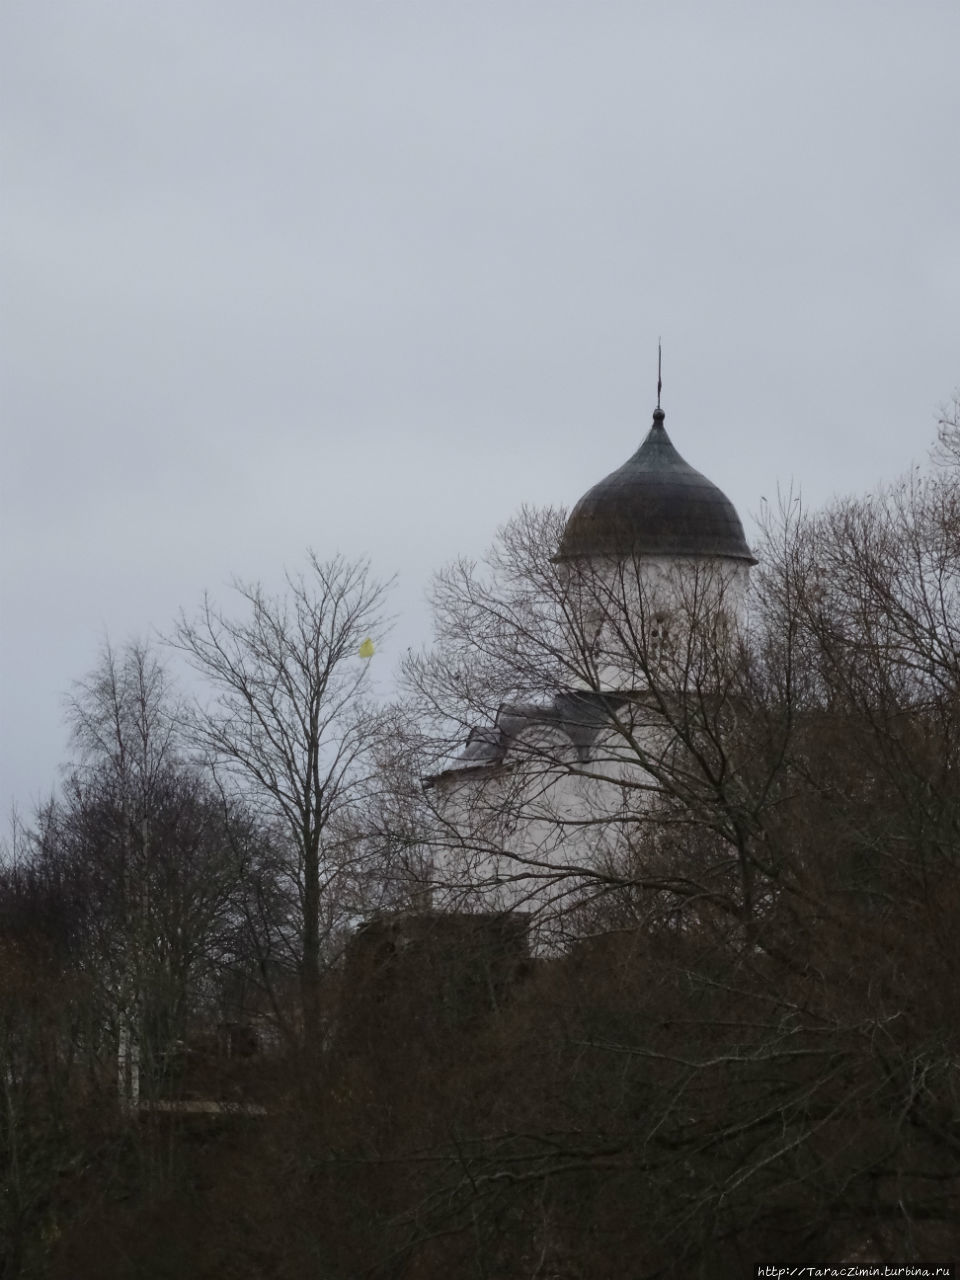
x=652, y=545
x=654, y=559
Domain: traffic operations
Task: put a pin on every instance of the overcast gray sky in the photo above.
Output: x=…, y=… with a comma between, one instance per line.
x=368, y=276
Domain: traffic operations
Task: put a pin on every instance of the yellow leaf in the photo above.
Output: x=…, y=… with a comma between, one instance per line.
x=367, y=649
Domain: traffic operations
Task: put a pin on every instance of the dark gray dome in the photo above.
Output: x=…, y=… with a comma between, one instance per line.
x=654, y=505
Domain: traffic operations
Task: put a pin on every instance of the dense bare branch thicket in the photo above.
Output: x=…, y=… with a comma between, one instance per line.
x=765, y=829
x=120, y=922
x=731, y=818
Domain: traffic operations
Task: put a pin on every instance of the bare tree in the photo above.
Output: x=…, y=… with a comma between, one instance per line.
x=124, y=723
x=141, y=849
x=289, y=723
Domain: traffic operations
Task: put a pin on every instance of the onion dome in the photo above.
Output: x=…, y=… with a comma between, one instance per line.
x=655, y=505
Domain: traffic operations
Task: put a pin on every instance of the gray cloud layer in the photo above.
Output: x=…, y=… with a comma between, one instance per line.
x=368, y=276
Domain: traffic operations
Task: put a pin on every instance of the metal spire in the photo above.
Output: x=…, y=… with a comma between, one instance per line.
x=659, y=368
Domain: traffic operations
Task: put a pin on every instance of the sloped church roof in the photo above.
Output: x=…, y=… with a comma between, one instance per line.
x=579, y=715
x=656, y=504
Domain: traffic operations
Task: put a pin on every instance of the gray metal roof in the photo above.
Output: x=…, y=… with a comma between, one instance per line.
x=579, y=715
x=655, y=504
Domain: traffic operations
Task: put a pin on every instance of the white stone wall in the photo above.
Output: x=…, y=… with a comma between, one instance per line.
x=532, y=834
x=634, y=611
x=539, y=831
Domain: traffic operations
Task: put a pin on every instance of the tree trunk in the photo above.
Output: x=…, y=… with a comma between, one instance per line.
x=310, y=960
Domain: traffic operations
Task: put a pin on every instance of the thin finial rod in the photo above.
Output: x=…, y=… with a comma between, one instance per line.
x=659, y=368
